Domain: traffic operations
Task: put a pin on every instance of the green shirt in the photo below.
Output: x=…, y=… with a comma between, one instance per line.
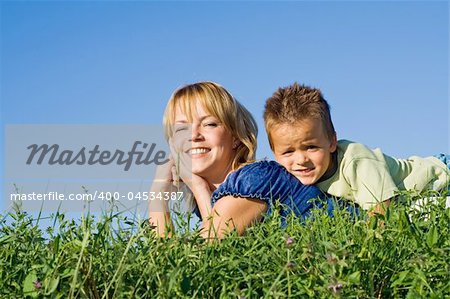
x=368, y=176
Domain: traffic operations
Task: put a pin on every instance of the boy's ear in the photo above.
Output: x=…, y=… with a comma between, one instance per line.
x=333, y=143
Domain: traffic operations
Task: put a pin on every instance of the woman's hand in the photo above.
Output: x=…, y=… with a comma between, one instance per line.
x=182, y=172
x=163, y=174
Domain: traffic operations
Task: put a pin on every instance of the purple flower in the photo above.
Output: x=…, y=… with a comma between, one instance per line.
x=291, y=265
x=331, y=259
x=289, y=241
x=37, y=284
x=335, y=287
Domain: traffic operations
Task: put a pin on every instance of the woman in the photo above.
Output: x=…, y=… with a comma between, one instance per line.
x=213, y=143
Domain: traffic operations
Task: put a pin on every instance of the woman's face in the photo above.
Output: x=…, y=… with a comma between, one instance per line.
x=205, y=144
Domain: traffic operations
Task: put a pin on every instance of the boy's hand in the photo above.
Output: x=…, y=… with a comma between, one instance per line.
x=380, y=208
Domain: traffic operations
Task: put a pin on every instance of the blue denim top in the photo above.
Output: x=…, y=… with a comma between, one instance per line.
x=268, y=181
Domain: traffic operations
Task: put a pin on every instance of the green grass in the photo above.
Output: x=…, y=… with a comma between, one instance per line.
x=406, y=256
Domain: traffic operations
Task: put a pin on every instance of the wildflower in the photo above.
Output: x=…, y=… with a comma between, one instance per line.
x=290, y=265
x=331, y=259
x=335, y=287
x=37, y=284
x=289, y=241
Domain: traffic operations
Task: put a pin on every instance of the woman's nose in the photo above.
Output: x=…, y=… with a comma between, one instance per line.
x=196, y=133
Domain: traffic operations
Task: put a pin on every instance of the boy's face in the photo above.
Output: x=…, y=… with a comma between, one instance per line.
x=304, y=149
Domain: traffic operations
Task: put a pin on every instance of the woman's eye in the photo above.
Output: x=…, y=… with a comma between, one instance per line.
x=180, y=128
x=211, y=124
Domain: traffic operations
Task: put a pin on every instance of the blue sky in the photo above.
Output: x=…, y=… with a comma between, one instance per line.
x=383, y=66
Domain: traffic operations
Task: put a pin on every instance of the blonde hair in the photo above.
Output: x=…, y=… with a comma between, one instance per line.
x=223, y=106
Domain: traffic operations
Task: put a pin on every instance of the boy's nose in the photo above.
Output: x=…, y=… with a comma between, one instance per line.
x=301, y=158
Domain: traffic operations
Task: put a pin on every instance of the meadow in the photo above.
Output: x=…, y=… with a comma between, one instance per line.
x=403, y=254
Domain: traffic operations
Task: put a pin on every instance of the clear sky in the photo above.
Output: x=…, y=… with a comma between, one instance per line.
x=382, y=66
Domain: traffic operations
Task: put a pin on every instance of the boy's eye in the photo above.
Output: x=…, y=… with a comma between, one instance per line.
x=288, y=152
x=312, y=147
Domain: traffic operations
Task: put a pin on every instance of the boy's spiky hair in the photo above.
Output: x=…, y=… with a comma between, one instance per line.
x=296, y=103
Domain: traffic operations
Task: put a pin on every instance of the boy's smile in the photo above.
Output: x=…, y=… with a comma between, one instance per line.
x=304, y=149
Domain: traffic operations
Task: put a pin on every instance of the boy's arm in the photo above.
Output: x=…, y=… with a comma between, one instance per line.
x=371, y=183
x=380, y=208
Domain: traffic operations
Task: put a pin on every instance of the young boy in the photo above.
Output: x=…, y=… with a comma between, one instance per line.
x=302, y=137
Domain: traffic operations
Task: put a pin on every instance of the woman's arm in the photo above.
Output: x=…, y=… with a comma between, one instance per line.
x=159, y=215
x=231, y=213
x=228, y=213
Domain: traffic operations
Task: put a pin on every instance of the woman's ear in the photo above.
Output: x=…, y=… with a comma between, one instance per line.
x=236, y=143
